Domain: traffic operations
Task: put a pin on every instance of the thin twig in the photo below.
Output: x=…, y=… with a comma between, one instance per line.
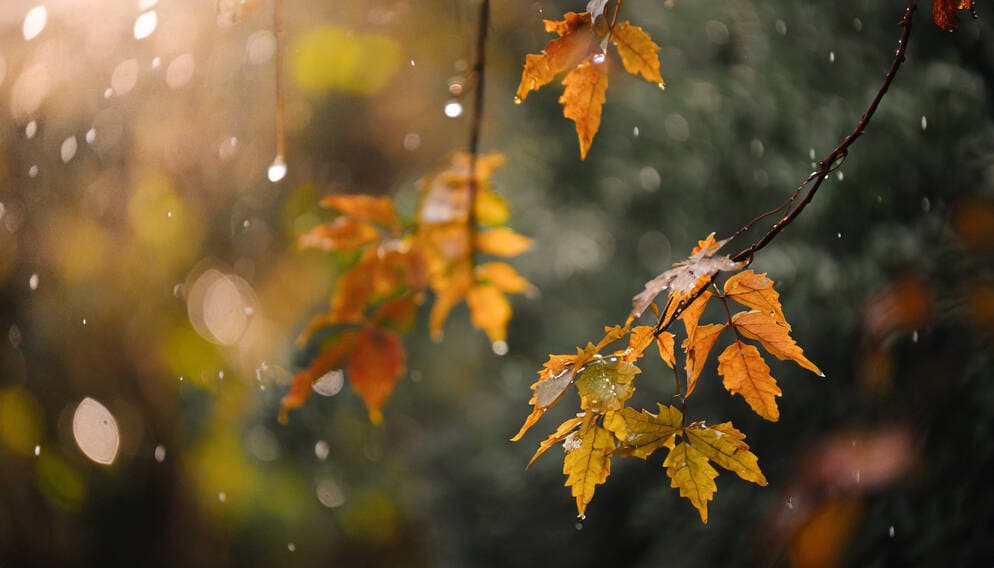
x=280, y=97
x=476, y=120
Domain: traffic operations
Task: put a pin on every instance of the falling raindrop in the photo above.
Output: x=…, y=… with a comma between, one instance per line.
x=453, y=109
x=68, y=150
x=222, y=497
x=145, y=24
x=890, y=531
x=635, y=131
x=277, y=170
x=291, y=547
x=840, y=175
x=329, y=493
x=811, y=153
x=831, y=57
x=220, y=375
x=156, y=62
x=34, y=22
x=95, y=431
x=108, y=93
x=926, y=204
x=412, y=141
x=321, y=450
x=84, y=321
x=838, y=235
x=781, y=27
x=914, y=336
x=160, y=453
x=412, y=63
x=169, y=214
x=91, y=135
x=857, y=24
x=31, y=129
x=37, y=451
x=33, y=281
x=924, y=122
x=33, y=171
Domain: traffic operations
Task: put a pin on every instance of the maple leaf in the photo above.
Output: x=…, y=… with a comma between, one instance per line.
x=756, y=291
x=690, y=471
x=686, y=277
x=375, y=365
x=944, y=12
x=333, y=355
x=379, y=210
x=746, y=373
x=489, y=310
x=697, y=347
x=725, y=445
x=773, y=336
x=643, y=431
x=588, y=463
x=344, y=233
x=639, y=54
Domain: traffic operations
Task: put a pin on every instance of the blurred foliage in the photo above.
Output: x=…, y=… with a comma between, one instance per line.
x=100, y=254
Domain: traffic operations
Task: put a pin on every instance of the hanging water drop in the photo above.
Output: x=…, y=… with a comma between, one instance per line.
x=453, y=109
x=500, y=348
x=37, y=451
x=599, y=58
x=517, y=100
x=33, y=281
x=34, y=22
x=277, y=170
x=924, y=122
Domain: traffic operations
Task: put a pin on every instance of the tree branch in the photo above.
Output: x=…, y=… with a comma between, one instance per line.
x=476, y=119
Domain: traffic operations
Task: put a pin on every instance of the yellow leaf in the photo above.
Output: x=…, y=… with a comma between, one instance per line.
x=503, y=276
x=690, y=472
x=774, y=337
x=605, y=384
x=449, y=292
x=582, y=100
x=747, y=374
x=491, y=209
x=363, y=208
x=725, y=446
x=502, y=242
x=644, y=431
x=564, y=430
x=577, y=40
x=697, y=348
x=639, y=54
x=489, y=310
x=692, y=315
x=756, y=291
x=589, y=463
x=665, y=343
x=639, y=340
x=344, y=233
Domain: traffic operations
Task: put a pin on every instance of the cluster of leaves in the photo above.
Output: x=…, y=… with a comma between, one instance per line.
x=606, y=427
x=391, y=265
x=581, y=50
x=944, y=12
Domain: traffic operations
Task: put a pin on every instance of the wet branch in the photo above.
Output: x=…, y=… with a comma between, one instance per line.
x=476, y=119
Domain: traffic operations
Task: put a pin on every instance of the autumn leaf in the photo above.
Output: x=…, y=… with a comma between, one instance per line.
x=692, y=315
x=333, y=355
x=576, y=42
x=344, y=233
x=774, y=337
x=582, y=100
x=697, y=348
x=605, y=384
x=588, y=462
x=379, y=210
x=643, y=431
x=375, y=365
x=756, y=291
x=944, y=12
x=639, y=54
x=503, y=276
x=448, y=293
x=746, y=373
x=502, y=241
x=725, y=445
x=665, y=343
x=489, y=310
x=686, y=276
x=690, y=472
x=639, y=339
x=556, y=437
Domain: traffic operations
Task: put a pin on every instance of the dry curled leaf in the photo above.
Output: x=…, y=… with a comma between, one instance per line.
x=944, y=12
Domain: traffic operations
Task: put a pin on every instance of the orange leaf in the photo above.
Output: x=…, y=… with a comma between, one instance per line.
x=773, y=336
x=692, y=315
x=697, y=348
x=747, y=374
x=944, y=12
x=336, y=350
x=576, y=42
x=489, y=310
x=643, y=431
x=376, y=364
x=364, y=208
x=449, y=292
x=640, y=339
x=756, y=291
x=582, y=100
x=588, y=461
x=690, y=471
x=503, y=276
x=564, y=430
x=665, y=343
x=502, y=241
x=398, y=313
x=344, y=233
x=639, y=54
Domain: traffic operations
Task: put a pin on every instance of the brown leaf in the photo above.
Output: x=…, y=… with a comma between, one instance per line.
x=375, y=366
x=582, y=100
x=944, y=12
x=378, y=210
x=639, y=54
x=773, y=336
x=747, y=374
